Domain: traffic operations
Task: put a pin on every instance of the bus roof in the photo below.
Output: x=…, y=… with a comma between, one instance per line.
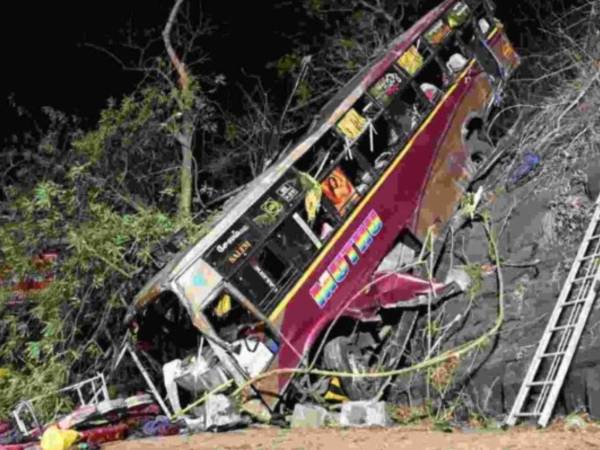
x=327, y=117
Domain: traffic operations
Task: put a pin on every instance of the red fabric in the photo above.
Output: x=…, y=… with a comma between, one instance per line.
x=4, y=427
x=105, y=434
x=144, y=410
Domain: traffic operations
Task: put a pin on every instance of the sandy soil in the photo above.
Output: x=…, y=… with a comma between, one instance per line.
x=419, y=438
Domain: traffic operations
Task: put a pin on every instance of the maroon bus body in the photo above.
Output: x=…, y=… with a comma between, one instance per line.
x=421, y=188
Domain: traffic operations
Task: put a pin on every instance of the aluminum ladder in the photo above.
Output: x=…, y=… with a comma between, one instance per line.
x=548, y=369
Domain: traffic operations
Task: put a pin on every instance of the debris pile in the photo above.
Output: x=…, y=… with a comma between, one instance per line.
x=90, y=425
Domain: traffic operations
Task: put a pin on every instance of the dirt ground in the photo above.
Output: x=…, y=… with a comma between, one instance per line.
x=420, y=438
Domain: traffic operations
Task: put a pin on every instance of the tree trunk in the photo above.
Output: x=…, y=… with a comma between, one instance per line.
x=186, y=178
x=186, y=136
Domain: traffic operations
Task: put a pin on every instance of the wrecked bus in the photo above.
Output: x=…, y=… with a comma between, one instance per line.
x=288, y=275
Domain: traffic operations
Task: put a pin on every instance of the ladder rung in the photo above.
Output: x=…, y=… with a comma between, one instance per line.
x=587, y=277
x=527, y=414
x=574, y=302
x=562, y=327
x=585, y=258
x=539, y=383
x=546, y=355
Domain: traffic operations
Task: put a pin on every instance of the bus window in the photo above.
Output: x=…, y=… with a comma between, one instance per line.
x=472, y=37
x=377, y=145
x=386, y=88
x=253, y=342
x=454, y=57
x=262, y=276
x=431, y=81
x=298, y=240
x=344, y=186
x=483, y=20
x=458, y=15
x=413, y=58
x=406, y=111
x=437, y=33
x=356, y=120
x=320, y=156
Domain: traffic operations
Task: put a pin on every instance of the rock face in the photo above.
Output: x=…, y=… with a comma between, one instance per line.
x=539, y=230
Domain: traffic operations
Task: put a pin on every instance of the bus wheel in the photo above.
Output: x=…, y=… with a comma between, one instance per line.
x=354, y=354
x=375, y=351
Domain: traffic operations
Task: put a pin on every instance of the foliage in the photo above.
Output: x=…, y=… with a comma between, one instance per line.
x=106, y=226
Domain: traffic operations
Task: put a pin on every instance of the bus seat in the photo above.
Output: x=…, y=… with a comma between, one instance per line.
x=431, y=91
x=456, y=63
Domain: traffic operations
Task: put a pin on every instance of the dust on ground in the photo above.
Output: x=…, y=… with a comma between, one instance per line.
x=413, y=437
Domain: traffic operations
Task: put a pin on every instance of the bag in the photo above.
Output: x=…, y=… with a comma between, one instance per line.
x=57, y=439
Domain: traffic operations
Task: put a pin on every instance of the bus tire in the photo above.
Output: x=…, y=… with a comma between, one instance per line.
x=342, y=354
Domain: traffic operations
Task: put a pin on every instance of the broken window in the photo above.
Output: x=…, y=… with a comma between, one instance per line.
x=412, y=60
x=165, y=330
x=319, y=158
x=253, y=342
x=406, y=110
x=471, y=36
x=344, y=185
x=437, y=33
x=263, y=276
x=296, y=237
x=387, y=87
x=454, y=56
x=358, y=119
x=458, y=15
x=377, y=145
x=432, y=81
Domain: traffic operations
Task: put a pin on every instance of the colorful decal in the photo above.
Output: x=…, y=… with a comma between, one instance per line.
x=411, y=61
x=437, y=33
x=458, y=15
x=272, y=209
x=197, y=282
x=239, y=251
x=386, y=87
x=338, y=270
x=352, y=124
x=339, y=190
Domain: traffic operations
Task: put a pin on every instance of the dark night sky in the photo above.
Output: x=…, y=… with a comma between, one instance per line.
x=46, y=63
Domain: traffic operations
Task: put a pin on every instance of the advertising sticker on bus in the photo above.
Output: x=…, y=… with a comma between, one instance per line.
x=338, y=269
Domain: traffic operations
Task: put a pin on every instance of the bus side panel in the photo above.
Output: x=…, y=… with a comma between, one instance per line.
x=504, y=51
x=393, y=200
x=449, y=173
